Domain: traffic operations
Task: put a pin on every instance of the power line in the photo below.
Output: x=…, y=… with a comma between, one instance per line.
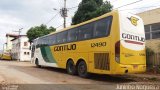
x=103, y=2
x=62, y=25
x=86, y=3
x=114, y=1
x=63, y=13
x=129, y=4
x=60, y=3
x=111, y=2
x=59, y=26
x=72, y=7
x=52, y=18
x=140, y=8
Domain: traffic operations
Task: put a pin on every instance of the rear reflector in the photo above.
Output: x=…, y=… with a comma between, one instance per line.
x=134, y=42
x=117, y=51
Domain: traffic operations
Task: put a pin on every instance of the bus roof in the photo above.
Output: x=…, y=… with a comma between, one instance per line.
x=83, y=23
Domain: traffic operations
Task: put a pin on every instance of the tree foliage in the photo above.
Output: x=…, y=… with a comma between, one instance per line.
x=38, y=31
x=89, y=9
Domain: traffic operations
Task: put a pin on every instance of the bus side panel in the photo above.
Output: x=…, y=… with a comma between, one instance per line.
x=45, y=57
x=115, y=37
x=105, y=55
x=99, y=55
x=62, y=56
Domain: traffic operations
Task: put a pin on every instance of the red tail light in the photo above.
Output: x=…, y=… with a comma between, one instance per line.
x=117, y=51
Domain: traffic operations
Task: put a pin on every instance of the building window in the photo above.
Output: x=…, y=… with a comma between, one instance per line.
x=152, y=31
x=25, y=43
x=156, y=27
x=27, y=53
x=155, y=35
x=147, y=36
x=147, y=28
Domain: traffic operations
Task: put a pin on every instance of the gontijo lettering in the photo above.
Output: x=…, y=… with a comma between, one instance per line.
x=133, y=37
x=65, y=47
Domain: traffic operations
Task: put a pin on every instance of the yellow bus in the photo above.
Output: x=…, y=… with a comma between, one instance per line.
x=5, y=56
x=113, y=43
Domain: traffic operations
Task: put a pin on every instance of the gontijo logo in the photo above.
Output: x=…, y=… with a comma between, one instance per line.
x=133, y=20
x=134, y=39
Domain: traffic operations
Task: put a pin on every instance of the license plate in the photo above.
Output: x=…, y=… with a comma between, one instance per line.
x=135, y=66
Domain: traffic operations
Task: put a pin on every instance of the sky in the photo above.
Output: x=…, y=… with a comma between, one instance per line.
x=16, y=14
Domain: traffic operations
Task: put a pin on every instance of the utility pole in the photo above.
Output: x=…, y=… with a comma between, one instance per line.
x=63, y=13
x=19, y=35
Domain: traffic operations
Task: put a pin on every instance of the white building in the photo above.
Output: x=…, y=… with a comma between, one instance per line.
x=8, y=45
x=21, y=49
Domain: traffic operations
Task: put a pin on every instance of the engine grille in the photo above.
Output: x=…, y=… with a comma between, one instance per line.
x=101, y=61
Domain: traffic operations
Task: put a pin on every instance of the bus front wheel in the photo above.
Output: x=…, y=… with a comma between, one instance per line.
x=37, y=63
x=71, y=69
x=82, y=69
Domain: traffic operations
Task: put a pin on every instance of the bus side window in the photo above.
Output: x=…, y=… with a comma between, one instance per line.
x=62, y=37
x=86, y=31
x=102, y=27
x=38, y=43
x=58, y=38
x=72, y=35
x=52, y=39
x=32, y=51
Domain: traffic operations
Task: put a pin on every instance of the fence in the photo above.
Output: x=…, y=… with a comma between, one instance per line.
x=152, y=60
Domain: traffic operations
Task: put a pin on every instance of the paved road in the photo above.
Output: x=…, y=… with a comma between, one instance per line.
x=28, y=77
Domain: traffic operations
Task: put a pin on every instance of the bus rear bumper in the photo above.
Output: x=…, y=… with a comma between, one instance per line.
x=130, y=69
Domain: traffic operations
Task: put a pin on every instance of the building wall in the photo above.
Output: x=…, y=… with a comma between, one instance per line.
x=21, y=48
x=151, y=16
x=152, y=28
x=25, y=52
x=9, y=43
x=14, y=51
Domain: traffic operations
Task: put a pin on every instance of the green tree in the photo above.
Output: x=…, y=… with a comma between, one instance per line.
x=38, y=31
x=89, y=9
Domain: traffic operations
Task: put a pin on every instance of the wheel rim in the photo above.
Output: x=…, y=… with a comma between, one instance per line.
x=82, y=68
x=70, y=67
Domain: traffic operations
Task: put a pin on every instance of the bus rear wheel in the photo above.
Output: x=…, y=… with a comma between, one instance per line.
x=82, y=69
x=71, y=69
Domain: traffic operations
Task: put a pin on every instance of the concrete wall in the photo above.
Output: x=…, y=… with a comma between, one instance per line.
x=151, y=16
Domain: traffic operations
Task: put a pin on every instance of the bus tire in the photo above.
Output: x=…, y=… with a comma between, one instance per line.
x=37, y=63
x=71, y=68
x=82, y=69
